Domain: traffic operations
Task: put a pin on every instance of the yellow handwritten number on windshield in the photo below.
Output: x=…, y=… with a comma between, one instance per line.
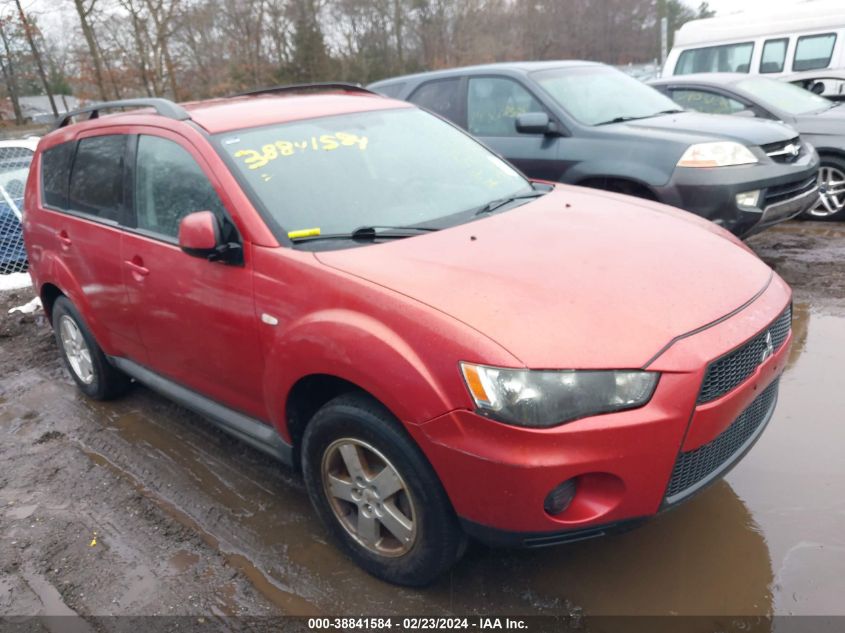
x=256, y=159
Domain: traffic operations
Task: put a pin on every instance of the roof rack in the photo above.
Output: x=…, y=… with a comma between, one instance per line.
x=325, y=85
x=164, y=107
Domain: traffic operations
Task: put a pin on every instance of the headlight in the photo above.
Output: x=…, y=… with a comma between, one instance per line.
x=527, y=397
x=719, y=154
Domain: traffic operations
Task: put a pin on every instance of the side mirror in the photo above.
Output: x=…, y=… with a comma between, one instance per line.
x=535, y=123
x=200, y=236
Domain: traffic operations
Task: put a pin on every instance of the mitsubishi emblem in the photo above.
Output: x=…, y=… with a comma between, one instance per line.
x=769, y=349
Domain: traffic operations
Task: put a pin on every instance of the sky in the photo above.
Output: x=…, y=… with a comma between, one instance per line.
x=726, y=7
x=59, y=19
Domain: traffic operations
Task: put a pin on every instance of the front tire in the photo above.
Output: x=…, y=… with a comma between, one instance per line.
x=86, y=362
x=831, y=204
x=377, y=494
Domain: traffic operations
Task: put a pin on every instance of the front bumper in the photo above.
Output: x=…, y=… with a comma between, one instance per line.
x=497, y=476
x=786, y=191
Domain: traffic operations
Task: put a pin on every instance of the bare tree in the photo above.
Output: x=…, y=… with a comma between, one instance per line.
x=84, y=14
x=9, y=75
x=36, y=56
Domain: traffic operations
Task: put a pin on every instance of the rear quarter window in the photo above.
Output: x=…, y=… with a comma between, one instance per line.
x=55, y=163
x=441, y=96
x=96, y=182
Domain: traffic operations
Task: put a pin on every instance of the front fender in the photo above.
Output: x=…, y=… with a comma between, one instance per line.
x=364, y=351
x=640, y=172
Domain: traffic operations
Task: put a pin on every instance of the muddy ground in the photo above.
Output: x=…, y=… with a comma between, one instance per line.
x=139, y=507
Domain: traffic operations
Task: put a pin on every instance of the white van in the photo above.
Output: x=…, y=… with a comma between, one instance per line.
x=804, y=42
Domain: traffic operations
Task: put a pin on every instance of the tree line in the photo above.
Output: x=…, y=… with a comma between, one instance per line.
x=190, y=49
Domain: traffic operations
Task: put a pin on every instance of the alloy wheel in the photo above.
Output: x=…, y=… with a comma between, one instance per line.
x=369, y=497
x=76, y=350
x=832, y=196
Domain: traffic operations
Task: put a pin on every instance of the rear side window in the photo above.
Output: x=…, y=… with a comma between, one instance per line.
x=813, y=51
x=729, y=58
x=440, y=96
x=774, y=56
x=170, y=185
x=96, y=182
x=55, y=163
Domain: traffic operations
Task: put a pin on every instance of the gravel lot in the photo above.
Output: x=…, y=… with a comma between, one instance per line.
x=139, y=507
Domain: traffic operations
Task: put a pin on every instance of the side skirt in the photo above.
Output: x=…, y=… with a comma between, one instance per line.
x=254, y=432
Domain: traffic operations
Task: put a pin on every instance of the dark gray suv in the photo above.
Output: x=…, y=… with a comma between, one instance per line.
x=589, y=124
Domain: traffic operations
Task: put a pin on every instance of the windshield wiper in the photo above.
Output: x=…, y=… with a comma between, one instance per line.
x=623, y=119
x=370, y=233
x=500, y=202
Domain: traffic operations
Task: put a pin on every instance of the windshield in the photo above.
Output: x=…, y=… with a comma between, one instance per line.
x=784, y=96
x=396, y=168
x=599, y=94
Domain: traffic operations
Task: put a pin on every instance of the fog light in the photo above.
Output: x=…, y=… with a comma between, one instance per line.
x=748, y=198
x=560, y=497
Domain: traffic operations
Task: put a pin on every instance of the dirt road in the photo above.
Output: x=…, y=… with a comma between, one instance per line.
x=139, y=507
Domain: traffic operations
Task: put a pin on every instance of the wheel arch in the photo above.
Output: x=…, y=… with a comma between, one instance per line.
x=620, y=184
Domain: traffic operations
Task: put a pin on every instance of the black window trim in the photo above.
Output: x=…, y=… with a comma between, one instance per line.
x=811, y=35
x=131, y=174
x=552, y=117
x=753, y=44
x=763, y=52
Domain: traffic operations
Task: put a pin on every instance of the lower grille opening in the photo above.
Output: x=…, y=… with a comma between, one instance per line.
x=695, y=466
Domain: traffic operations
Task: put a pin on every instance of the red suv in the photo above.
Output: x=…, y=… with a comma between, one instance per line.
x=360, y=289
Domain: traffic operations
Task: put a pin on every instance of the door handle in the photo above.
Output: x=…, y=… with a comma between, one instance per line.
x=64, y=240
x=138, y=270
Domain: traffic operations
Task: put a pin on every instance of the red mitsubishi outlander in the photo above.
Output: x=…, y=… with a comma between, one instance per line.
x=360, y=289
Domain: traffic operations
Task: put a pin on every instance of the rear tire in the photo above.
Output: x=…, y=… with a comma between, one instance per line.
x=95, y=376
x=831, y=204
x=377, y=494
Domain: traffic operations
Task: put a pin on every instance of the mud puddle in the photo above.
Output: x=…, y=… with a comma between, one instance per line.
x=207, y=525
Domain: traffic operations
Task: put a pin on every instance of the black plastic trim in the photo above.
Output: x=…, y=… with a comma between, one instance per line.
x=249, y=430
x=493, y=537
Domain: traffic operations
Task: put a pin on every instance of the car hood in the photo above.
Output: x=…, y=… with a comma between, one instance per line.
x=576, y=279
x=827, y=123
x=696, y=127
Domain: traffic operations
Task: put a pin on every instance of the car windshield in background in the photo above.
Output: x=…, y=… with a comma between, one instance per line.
x=390, y=168
x=595, y=95
x=784, y=96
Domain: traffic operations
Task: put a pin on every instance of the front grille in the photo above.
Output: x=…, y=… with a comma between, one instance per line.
x=783, y=151
x=790, y=190
x=727, y=372
x=697, y=465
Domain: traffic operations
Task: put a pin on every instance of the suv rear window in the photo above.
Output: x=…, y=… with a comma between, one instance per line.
x=96, y=183
x=55, y=163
